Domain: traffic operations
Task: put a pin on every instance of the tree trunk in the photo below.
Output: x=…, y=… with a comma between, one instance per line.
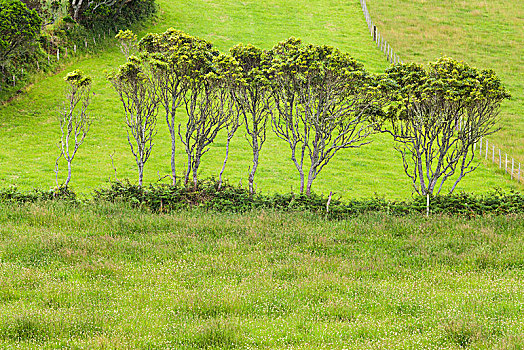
x=195, y=171
x=299, y=168
x=186, y=179
x=253, y=171
x=311, y=176
x=224, y=165
x=251, y=177
x=140, y=173
x=68, y=174
x=173, y=166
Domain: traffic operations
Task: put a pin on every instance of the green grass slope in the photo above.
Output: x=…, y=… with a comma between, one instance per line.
x=29, y=129
x=107, y=277
x=486, y=34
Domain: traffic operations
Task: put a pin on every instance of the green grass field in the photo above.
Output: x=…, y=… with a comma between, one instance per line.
x=105, y=276
x=29, y=128
x=485, y=34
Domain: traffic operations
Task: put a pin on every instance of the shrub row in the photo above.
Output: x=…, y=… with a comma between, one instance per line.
x=165, y=198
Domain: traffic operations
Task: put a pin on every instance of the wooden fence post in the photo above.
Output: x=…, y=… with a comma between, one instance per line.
x=512, y=167
x=480, y=150
x=500, y=160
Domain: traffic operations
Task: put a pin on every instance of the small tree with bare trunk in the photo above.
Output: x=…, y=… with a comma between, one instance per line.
x=438, y=115
x=209, y=106
x=74, y=120
x=253, y=98
x=127, y=40
x=325, y=101
x=178, y=52
x=137, y=92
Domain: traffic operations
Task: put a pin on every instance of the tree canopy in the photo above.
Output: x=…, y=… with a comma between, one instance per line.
x=18, y=27
x=437, y=116
x=326, y=102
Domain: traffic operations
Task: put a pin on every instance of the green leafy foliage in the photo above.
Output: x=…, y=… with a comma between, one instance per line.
x=326, y=102
x=235, y=199
x=437, y=116
x=100, y=14
x=19, y=27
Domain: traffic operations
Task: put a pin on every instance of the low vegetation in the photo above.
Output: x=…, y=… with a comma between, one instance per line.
x=108, y=276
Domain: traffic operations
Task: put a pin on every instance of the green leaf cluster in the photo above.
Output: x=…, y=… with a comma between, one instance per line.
x=447, y=81
x=19, y=26
x=78, y=78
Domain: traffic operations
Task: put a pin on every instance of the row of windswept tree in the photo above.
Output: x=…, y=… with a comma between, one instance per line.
x=317, y=99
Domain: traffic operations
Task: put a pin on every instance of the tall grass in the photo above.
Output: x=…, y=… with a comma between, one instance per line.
x=107, y=276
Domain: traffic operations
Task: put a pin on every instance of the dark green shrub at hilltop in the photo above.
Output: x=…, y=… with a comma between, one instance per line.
x=117, y=13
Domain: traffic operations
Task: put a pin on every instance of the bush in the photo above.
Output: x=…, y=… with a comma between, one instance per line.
x=165, y=198
x=12, y=194
x=109, y=17
x=229, y=198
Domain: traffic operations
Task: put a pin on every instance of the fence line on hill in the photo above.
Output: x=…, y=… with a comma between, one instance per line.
x=489, y=151
x=68, y=51
x=392, y=57
x=378, y=38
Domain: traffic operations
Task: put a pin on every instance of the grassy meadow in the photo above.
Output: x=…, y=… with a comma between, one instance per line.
x=104, y=276
x=485, y=34
x=29, y=127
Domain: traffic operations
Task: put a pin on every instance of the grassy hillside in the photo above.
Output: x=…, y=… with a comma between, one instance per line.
x=29, y=127
x=107, y=277
x=486, y=34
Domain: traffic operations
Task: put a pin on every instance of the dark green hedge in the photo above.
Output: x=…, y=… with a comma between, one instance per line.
x=112, y=17
x=165, y=198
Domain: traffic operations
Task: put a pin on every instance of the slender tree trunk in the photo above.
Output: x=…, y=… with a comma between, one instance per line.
x=140, y=173
x=195, y=171
x=68, y=174
x=172, y=131
x=253, y=171
x=186, y=179
x=310, y=178
x=299, y=168
x=313, y=168
x=173, y=166
x=256, y=151
x=224, y=165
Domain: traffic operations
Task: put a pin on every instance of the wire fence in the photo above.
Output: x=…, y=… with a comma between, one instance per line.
x=490, y=151
x=378, y=38
x=63, y=53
